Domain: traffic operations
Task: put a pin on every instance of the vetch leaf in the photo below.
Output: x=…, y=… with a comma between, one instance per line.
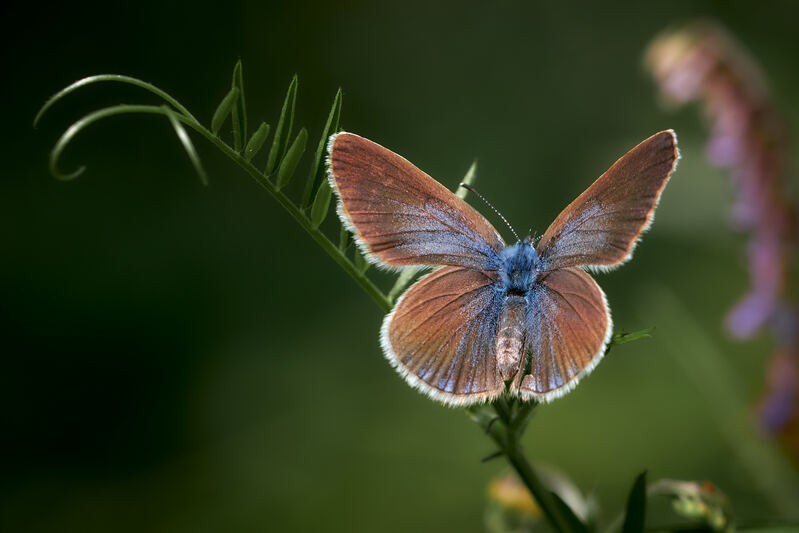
x=223, y=110
x=344, y=238
x=239, y=115
x=468, y=179
x=331, y=126
x=575, y=524
x=283, y=129
x=256, y=141
x=404, y=278
x=491, y=456
x=115, y=78
x=289, y=163
x=180, y=131
x=321, y=204
x=624, y=338
x=635, y=514
x=96, y=116
x=360, y=261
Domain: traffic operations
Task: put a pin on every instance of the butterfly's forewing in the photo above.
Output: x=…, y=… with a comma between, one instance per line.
x=441, y=336
x=569, y=326
x=601, y=226
x=401, y=216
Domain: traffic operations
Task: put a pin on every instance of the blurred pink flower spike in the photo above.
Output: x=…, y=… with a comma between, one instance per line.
x=702, y=62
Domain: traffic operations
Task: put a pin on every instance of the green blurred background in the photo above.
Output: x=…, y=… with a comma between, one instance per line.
x=183, y=358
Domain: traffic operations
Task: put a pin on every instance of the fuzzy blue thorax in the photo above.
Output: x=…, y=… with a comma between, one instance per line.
x=517, y=271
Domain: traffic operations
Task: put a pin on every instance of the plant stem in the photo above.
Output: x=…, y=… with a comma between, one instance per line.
x=507, y=440
x=301, y=218
x=512, y=414
x=506, y=437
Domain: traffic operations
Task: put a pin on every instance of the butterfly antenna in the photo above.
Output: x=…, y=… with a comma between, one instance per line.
x=535, y=236
x=494, y=209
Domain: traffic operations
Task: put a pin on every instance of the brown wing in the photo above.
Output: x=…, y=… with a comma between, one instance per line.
x=569, y=327
x=441, y=336
x=401, y=216
x=600, y=227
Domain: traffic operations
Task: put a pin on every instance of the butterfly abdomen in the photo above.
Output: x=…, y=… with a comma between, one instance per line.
x=510, y=340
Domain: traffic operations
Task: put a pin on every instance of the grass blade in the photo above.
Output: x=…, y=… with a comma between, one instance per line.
x=283, y=130
x=315, y=175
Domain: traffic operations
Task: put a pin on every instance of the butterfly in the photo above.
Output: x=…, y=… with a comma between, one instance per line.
x=525, y=318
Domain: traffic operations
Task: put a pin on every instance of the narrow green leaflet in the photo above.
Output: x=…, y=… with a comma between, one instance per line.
x=289, y=163
x=624, y=338
x=283, y=129
x=635, y=514
x=321, y=204
x=223, y=110
x=360, y=261
x=180, y=131
x=344, y=238
x=256, y=141
x=331, y=126
x=575, y=524
x=469, y=178
x=404, y=278
x=239, y=115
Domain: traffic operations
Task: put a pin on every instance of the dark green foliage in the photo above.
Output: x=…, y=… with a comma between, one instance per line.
x=635, y=514
x=506, y=419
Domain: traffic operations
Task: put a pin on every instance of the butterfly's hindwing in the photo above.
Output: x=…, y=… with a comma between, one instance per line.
x=569, y=326
x=441, y=336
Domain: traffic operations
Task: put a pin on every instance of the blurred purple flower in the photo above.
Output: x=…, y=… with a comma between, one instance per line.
x=701, y=62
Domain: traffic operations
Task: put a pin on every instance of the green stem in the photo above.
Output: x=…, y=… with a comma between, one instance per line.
x=186, y=118
x=113, y=78
x=506, y=437
x=513, y=416
x=321, y=239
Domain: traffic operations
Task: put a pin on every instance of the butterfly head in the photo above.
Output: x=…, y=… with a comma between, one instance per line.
x=518, y=268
